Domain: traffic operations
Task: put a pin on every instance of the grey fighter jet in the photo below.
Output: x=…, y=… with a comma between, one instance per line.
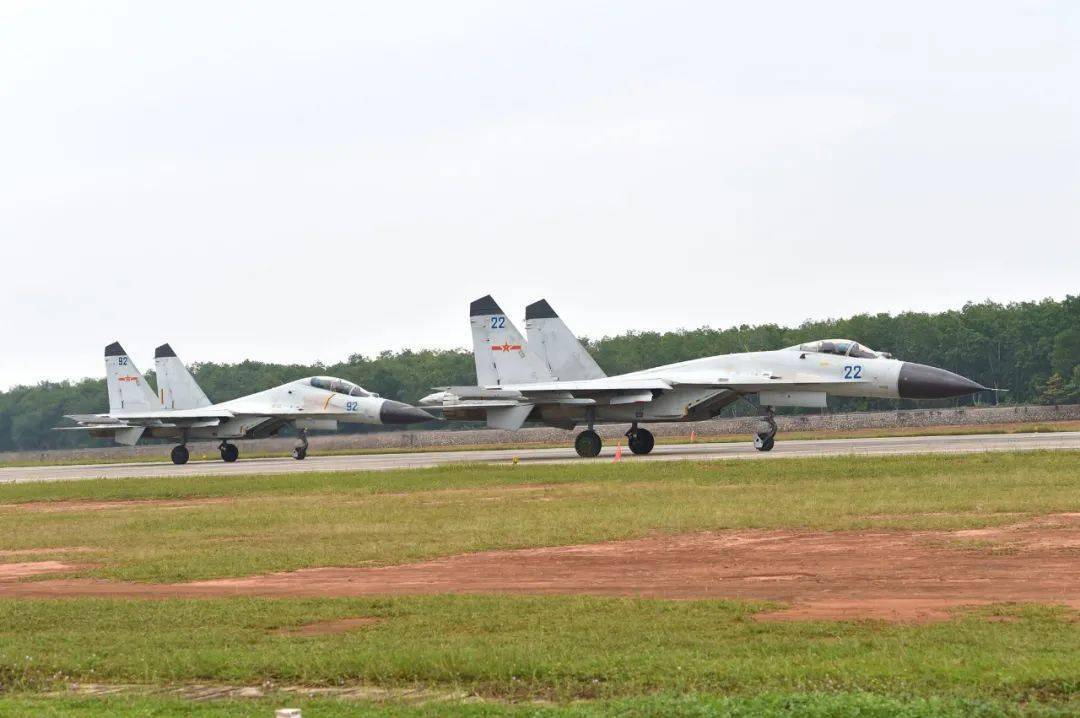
x=551, y=379
x=181, y=411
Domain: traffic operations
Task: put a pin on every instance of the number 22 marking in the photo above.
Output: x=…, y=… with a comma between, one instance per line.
x=498, y=322
x=853, y=372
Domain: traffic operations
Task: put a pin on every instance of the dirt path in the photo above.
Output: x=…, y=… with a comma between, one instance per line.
x=892, y=575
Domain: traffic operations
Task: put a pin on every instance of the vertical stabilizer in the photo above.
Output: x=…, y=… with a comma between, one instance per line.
x=177, y=389
x=128, y=388
x=552, y=342
x=501, y=353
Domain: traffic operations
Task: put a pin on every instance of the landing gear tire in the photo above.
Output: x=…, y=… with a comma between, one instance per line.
x=229, y=452
x=588, y=444
x=641, y=441
x=179, y=454
x=764, y=442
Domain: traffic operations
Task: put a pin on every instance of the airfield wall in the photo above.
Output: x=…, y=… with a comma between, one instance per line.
x=387, y=440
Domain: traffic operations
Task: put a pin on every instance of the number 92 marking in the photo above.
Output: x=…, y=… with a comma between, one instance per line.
x=351, y=406
x=853, y=372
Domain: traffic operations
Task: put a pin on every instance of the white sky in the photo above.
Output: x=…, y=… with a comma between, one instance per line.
x=301, y=181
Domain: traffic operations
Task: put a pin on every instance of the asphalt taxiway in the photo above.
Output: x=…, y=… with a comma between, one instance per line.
x=971, y=443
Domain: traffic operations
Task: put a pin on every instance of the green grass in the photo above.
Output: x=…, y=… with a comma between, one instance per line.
x=770, y=705
x=1042, y=427
x=552, y=648
x=579, y=656
x=272, y=523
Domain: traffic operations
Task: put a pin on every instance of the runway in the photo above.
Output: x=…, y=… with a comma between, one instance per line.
x=972, y=443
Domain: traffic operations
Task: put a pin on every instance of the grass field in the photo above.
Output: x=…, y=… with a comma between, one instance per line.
x=1036, y=427
x=274, y=523
x=521, y=655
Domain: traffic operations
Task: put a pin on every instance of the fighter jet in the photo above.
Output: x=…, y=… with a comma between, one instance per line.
x=550, y=379
x=181, y=411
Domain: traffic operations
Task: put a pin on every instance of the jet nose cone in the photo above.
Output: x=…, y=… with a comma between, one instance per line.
x=918, y=381
x=394, y=412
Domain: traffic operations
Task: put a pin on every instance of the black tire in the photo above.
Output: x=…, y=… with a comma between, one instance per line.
x=588, y=444
x=229, y=453
x=764, y=443
x=299, y=453
x=642, y=441
x=179, y=454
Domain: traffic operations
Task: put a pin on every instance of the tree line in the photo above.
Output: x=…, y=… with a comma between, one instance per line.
x=1030, y=349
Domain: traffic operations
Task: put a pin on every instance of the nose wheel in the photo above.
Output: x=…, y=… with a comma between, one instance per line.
x=765, y=440
x=229, y=452
x=300, y=452
x=641, y=441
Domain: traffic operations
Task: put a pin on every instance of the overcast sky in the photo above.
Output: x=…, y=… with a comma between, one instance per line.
x=302, y=181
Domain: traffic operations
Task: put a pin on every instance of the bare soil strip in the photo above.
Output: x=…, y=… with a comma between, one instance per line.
x=24, y=569
x=44, y=550
x=113, y=505
x=890, y=575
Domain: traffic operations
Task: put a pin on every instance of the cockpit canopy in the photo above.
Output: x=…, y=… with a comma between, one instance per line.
x=339, y=386
x=842, y=347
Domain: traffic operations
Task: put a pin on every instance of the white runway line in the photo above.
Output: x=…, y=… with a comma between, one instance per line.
x=972, y=443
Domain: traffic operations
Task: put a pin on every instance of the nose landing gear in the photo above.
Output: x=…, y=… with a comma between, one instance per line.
x=300, y=452
x=764, y=440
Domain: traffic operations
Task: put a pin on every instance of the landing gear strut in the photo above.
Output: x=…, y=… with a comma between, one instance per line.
x=641, y=441
x=764, y=441
x=179, y=454
x=229, y=452
x=300, y=452
x=588, y=444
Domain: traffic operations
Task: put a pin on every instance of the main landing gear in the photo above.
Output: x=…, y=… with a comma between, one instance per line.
x=229, y=452
x=588, y=444
x=300, y=452
x=179, y=454
x=764, y=440
x=641, y=441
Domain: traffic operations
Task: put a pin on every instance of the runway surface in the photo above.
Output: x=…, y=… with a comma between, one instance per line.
x=972, y=443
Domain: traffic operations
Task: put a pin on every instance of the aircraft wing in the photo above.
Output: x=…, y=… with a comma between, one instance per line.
x=621, y=390
x=587, y=386
x=173, y=414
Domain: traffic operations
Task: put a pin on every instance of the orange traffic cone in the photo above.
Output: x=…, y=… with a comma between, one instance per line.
x=693, y=436
x=618, y=452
